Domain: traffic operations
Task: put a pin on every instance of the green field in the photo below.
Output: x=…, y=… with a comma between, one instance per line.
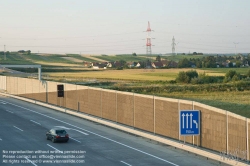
x=236, y=102
x=127, y=58
x=69, y=68
x=130, y=74
x=83, y=58
x=224, y=70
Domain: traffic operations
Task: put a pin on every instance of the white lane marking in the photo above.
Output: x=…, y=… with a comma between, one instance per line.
x=55, y=148
x=0, y=139
x=30, y=161
x=126, y=163
x=71, y=129
x=35, y=122
x=2, y=103
x=9, y=111
x=49, y=117
x=135, y=149
x=18, y=128
x=99, y=135
x=75, y=139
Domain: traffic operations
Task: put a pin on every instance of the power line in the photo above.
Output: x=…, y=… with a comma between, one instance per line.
x=70, y=37
x=235, y=43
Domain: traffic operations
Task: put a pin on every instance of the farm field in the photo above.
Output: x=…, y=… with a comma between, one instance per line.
x=131, y=74
x=69, y=68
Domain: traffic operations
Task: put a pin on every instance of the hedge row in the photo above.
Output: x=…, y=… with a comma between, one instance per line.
x=236, y=86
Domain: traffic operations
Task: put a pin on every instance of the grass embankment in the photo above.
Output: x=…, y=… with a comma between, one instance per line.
x=234, y=101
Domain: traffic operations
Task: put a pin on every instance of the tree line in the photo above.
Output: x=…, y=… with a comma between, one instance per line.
x=194, y=78
x=214, y=61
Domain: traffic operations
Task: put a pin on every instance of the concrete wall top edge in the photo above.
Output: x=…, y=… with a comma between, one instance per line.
x=81, y=87
x=186, y=102
x=92, y=88
x=145, y=96
x=125, y=93
x=218, y=110
x=166, y=99
x=236, y=116
x=107, y=90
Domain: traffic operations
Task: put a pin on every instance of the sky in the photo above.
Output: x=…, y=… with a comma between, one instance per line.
x=119, y=26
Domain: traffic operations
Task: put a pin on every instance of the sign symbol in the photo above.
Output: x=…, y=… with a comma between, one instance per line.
x=191, y=116
x=195, y=123
x=189, y=122
x=187, y=119
x=183, y=115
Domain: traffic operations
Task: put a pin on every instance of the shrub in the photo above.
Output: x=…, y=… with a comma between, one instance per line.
x=185, y=77
x=248, y=73
x=182, y=77
x=235, y=78
x=192, y=74
x=197, y=80
x=230, y=74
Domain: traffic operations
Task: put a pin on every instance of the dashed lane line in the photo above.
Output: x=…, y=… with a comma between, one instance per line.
x=99, y=136
x=126, y=163
x=35, y=122
x=18, y=128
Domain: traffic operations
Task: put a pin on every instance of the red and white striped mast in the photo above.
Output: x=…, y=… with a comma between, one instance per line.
x=148, y=44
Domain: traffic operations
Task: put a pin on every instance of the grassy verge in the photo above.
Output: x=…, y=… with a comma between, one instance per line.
x=236, y=102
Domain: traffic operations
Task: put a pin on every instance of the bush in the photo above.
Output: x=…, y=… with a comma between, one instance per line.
x=182, y=77
x=235, y=78
x=197, y=80
x=248, y=73
x=230, y=74
x=119, y=68
x=185, y=77
x=192, y=74
x=172, y=82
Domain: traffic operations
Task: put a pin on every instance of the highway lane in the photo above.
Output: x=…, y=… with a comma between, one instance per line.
x=23, y=127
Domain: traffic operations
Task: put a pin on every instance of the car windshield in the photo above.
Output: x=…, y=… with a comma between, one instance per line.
x=60, y=132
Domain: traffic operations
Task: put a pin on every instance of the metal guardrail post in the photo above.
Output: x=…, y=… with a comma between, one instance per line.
x=116, y=105
x=247, y=157
x=178, y=119
x=227, y=130
x=134, y=108
x=154, y=112
x=39, y=73
x=200, y=122
x=101, y=103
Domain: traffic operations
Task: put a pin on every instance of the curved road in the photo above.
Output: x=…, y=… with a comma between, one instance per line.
x=22, y=141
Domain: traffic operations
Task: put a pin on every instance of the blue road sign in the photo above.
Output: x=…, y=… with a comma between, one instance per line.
x=189, y=122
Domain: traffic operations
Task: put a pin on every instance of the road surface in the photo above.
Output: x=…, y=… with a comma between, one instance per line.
x=22, y=139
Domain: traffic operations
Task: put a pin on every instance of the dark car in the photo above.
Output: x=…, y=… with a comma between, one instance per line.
x=57, y=135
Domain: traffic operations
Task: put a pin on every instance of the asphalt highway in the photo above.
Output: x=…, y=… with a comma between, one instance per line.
x=22, y=141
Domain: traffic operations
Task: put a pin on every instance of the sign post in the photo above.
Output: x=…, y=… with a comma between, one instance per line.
x=189, y=122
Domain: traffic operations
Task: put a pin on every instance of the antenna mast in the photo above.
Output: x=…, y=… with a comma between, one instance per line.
x=173, y=45
x=235, y=47
x=148, y=44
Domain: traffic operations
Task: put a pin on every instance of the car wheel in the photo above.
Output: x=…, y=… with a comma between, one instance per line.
x=66, y=140
x=47, y=137
x=53, y=140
